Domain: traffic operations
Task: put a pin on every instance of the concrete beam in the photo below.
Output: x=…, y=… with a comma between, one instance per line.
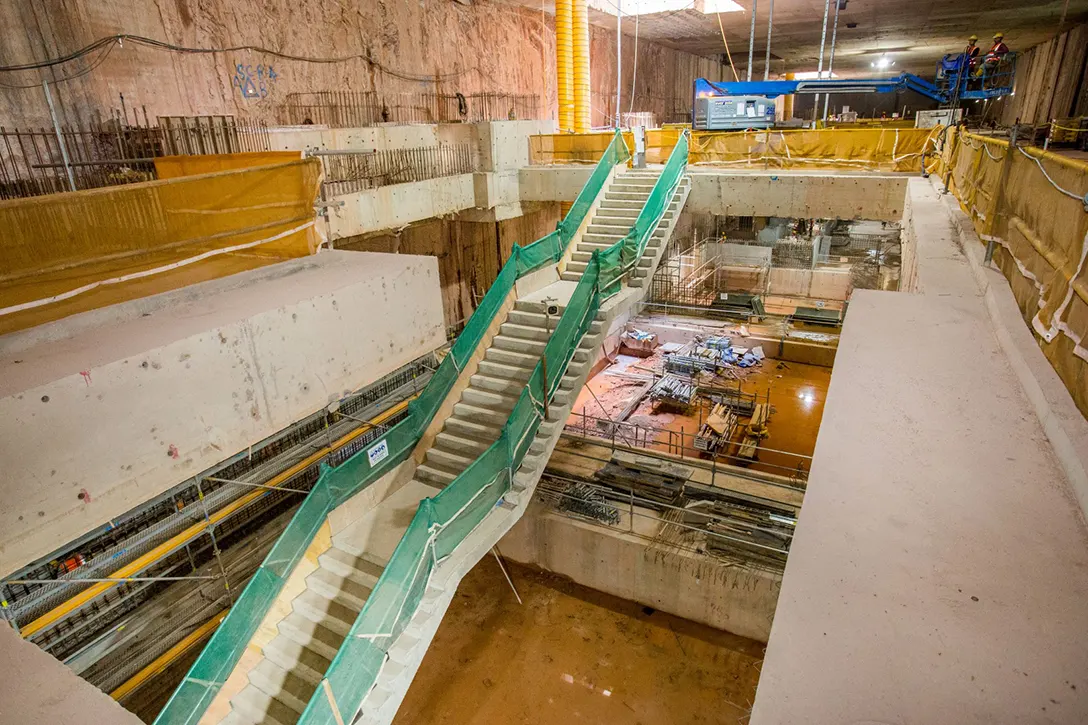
x=822, y=194
x=390, y=207
x=805, y=194
x=102, y=411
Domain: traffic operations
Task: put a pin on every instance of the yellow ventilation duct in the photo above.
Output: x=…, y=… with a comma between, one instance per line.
x=580, y=31
x=564, y=65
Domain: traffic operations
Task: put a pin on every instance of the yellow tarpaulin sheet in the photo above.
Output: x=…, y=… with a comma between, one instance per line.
x=171, y=167
x=72, y=252
x=874, y=149
x=1040, y=222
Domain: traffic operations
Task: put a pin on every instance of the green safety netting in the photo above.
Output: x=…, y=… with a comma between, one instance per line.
x=392, y=602
x=443, y=522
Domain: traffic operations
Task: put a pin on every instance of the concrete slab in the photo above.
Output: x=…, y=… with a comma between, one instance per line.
x=138, y=397
x=939, y=572
x=376, y=534
x=39, y=689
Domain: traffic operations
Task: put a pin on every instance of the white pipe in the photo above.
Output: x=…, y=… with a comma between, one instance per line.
x=820, y=66
x=619, y=57
x=751, y=40
x=767, y=60
x=831, y=55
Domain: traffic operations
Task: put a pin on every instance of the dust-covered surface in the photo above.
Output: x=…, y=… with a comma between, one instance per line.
x=570, y=654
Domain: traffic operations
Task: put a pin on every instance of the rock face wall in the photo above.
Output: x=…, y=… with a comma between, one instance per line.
x=394, y=46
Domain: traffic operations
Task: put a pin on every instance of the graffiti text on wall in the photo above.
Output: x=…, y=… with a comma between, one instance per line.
x=254, y=82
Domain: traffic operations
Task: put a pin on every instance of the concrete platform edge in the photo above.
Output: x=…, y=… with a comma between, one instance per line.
x=1058, y=415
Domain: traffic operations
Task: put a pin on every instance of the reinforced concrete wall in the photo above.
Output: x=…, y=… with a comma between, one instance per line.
x=689, y=585
x=135, y=398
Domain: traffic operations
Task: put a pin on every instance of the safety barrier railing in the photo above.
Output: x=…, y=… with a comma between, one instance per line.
x=336, y=485
x=443, y=522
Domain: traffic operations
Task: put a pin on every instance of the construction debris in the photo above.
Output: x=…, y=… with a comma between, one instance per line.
x=717, y=430
x=675, y=391
x=648, y=478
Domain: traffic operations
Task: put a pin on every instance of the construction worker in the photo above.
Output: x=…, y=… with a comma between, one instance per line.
x=994, y=56
x=970, y=53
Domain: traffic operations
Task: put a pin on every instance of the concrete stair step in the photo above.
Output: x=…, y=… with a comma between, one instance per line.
x=640, y=196
x=518, y=344
x=481, y=414
x=510, y=357
x=332, y=585
x=528, y=332
x=608, y=229
x=527, y=318
x=333, y=614
x=283, y=685
x=503, y=386
x=434, y=475
x=447, y=459
x=303, y=661
x=348, y=565
x=309, y=634
x=620, y=203
x=471, y=428
x=501, y=371
x=460, y=444
x=261, y=707
x=489, y=399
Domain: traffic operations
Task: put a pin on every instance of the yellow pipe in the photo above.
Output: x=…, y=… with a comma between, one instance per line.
x=564, y=65
x=192, y=532
x=580, y=35
x=163, y=661
x=787, y=101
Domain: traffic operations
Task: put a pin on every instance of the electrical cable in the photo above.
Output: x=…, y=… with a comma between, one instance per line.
x=101, y=59
x=120, y=38
x=728, y=55
x=1053, y=183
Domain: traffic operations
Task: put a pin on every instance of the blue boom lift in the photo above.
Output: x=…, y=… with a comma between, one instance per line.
x=719, y=106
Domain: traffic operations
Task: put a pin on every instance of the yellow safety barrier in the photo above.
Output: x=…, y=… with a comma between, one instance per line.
x=72, y=252
x=1032, y=204
x=873, y=149
x=172, y=167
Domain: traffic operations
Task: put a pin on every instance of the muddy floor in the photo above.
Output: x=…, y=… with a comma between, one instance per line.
x=569, y=654
x=795, y=391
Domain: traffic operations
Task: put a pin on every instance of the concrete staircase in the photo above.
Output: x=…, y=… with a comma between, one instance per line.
x=407, y=651
x=616, y=214
x=281, y=684
x=493, y=391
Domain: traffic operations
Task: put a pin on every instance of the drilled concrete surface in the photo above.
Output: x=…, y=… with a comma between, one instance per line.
x=939, y=572
x=103, y=411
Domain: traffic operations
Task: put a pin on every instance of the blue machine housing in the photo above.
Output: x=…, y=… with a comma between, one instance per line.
x=733, y=113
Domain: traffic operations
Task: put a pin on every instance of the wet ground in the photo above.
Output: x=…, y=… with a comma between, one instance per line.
x=569, y=654
x=796, y=392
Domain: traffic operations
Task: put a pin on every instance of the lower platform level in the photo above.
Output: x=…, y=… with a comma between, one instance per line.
x=939, y=571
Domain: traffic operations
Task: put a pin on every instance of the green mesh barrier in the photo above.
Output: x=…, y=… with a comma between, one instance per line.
x=443, y=522
x=455, y=511
x=618, y=259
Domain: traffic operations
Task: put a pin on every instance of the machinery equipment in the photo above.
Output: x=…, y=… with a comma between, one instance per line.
x=956, y=81
x=733, y=113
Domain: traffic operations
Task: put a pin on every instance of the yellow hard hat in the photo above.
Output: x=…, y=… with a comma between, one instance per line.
x=999, y=35
x=973, y=37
